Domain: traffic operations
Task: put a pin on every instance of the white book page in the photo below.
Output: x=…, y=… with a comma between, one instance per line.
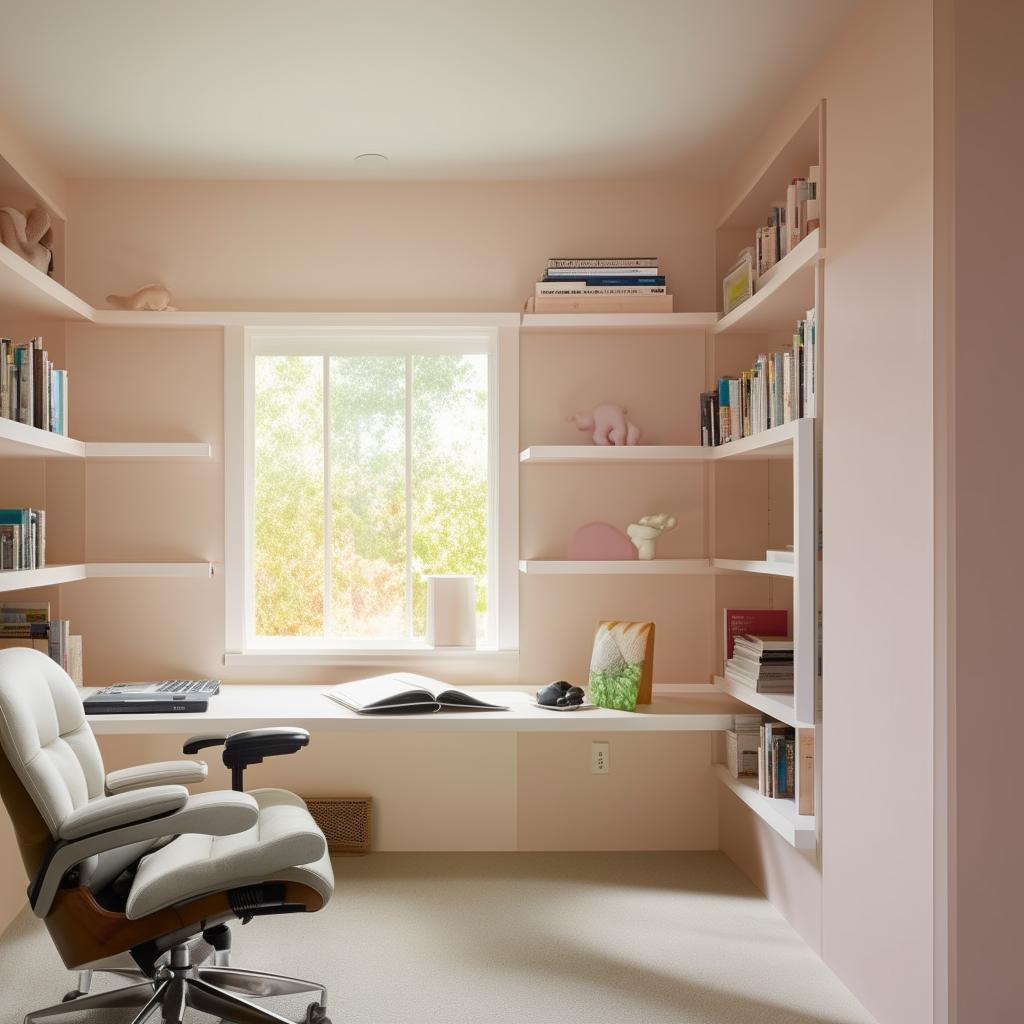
x=367, y=692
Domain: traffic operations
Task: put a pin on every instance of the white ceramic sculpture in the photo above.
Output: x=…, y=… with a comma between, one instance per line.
x=151, y=297
x=28, y=235
x=644, y=533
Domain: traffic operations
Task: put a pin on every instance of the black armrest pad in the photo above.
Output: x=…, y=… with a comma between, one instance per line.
x=251, y=746
x=197, y=743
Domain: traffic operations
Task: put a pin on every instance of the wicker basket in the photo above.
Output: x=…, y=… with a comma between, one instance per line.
x=345, y=822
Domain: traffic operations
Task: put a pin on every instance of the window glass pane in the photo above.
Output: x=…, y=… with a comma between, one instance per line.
x=368, y=520
x=449, y=476
x=289, y=496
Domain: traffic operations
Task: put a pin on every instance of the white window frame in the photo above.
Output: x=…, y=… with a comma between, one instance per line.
x=495, y=334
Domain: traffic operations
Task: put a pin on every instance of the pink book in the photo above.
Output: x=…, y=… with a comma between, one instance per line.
x=756, y=622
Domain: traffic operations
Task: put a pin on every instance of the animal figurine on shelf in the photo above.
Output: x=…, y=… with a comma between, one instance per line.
x=150, y=297
x=644, y=533
x=29, y=235
x=608, y=425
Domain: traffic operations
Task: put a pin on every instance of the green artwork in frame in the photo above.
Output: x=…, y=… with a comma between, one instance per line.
x=621, y=665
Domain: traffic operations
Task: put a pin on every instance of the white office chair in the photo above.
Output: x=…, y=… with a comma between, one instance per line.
x=133, y=875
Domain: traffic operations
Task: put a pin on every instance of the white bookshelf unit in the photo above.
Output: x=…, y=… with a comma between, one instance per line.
x=29, y=297
x=764, y=322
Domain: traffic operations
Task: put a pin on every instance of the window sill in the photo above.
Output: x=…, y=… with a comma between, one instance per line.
x=404, y=657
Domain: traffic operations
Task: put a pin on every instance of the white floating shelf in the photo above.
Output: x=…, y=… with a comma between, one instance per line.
x=53, y=575
x=777, y=705
x=764, y=568
x=615, y=453
x=144, y=451
x=779, y=814
x=591, y=323
x=29, y=294
x=19, y=441
x=138, y=318
x=776, y=443
x=148, y=570
x=636, y=567
x=783, y=296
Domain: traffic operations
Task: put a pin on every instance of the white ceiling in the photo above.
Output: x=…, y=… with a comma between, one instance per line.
x=448, y=89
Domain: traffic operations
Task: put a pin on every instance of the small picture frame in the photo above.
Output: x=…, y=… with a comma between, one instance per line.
x=738, y=284
x=622, y=665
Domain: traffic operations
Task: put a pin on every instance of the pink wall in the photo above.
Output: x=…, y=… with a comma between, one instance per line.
x=26, y=164
x=453, y=246
x=875, y=887
x=986, y=491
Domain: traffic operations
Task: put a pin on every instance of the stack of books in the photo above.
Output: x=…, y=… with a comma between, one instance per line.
x=22, y=538
x=764, y=663
x=778, y=388
x=31, y=390
x=601, y=284
x=30, y=625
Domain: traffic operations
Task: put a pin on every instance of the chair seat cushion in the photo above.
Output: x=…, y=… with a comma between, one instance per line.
x=285, y=844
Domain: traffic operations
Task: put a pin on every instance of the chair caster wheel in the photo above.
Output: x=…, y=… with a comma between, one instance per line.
x=75, y=994
x=316, y=1014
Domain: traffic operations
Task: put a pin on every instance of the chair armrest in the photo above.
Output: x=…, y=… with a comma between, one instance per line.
x=252, y=745
x=160, y=773
x=196, y=743
x=113, y=812
x=221, y=813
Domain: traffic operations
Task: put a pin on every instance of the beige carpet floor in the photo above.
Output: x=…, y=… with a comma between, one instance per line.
x=651, y=938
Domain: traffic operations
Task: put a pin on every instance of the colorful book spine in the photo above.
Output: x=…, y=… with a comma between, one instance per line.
x=612, y=281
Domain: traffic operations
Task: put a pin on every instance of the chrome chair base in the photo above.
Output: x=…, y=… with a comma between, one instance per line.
x=221, y=991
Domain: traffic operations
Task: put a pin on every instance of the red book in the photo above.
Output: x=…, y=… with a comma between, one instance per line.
x=756, y=622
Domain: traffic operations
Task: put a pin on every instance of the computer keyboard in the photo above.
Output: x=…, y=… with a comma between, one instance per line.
x=208, y=686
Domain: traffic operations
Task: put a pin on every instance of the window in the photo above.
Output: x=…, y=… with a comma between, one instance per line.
x=370, y=462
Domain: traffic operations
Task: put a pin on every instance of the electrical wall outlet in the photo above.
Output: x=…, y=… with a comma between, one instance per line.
x=600, y=758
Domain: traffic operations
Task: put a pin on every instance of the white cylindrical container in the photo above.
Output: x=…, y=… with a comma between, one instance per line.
x=451, y=611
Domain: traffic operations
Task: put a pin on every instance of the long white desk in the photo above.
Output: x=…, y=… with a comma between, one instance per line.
x=239, y=707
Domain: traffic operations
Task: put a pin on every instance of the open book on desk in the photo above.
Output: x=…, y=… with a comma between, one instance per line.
x=405, y=693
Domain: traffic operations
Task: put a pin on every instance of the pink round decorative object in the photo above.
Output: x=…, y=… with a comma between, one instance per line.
x=600, y=542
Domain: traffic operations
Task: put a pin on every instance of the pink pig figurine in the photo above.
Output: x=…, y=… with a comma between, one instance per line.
x=608, y=424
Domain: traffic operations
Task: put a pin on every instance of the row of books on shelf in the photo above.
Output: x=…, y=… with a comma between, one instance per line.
x=602, y=284
x=788, y=222
x=32, y=391
x=780, y=387
x=780, y=757
x=22, y=538
x=30, y=625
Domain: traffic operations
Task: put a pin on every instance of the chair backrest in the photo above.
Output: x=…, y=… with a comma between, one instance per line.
x=53, y=764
